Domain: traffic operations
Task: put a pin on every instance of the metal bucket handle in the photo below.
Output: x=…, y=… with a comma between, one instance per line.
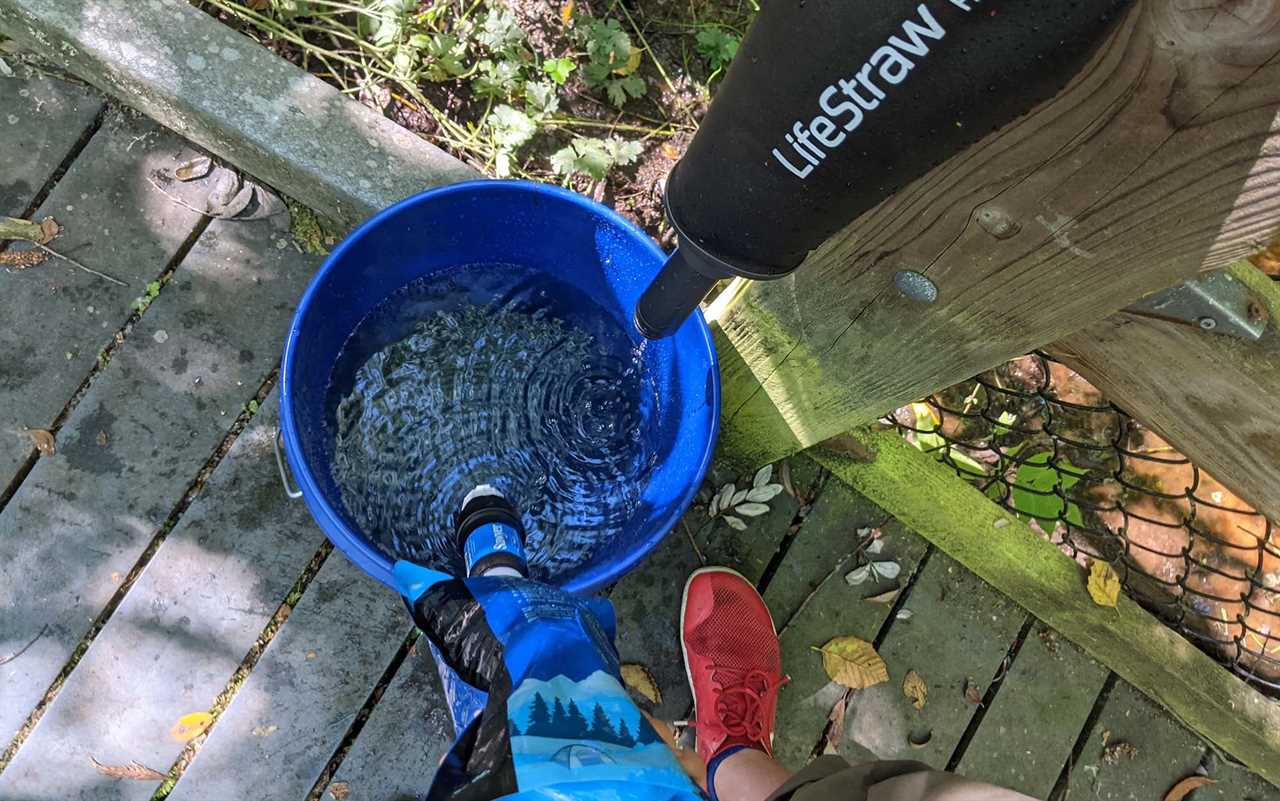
x=280, y=465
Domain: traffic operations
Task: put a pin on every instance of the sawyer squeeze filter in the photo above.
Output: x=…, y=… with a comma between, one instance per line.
x=832, y=106
x=491, y=535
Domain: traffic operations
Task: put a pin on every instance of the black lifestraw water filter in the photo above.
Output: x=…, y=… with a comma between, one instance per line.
x=832, y=106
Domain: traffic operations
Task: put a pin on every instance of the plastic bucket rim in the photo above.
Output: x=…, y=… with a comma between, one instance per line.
x=359, y=550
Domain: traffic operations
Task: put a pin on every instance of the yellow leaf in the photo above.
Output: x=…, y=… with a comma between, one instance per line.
x=924, y=412
x=1183, y=788
x=914, y=688
x=638, y=678
x=1104, y=584
x=633, y=63
x=566, y=12
x=191, y=726
x=853, y=663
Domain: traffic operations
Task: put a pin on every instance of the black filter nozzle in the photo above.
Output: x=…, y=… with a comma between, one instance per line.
x=832, y=106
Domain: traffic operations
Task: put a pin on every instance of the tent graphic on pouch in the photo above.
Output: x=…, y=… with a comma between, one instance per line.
x=580, y=755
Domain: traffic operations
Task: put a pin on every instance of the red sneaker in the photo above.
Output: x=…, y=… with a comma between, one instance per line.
x=732, y=657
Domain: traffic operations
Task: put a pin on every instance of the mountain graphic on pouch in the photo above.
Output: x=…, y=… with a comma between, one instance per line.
x=595, y=709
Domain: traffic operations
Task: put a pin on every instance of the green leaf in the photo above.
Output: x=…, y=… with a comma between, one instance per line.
x=1005, y=422
x=289, y=9
x=622, y=89
x=511, y=128
x=541, y=98
x=559, y=69
x=444, y=55
x=608, y=45
x=717, y=47
x=1038, y=475
x=499, y=79
x=500, y=32
x=594, y=157
x=623, y=152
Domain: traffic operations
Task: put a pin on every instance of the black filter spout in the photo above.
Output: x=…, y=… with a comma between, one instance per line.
x=832, y=106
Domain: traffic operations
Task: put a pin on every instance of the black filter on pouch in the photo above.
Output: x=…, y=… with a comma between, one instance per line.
x=832, y=106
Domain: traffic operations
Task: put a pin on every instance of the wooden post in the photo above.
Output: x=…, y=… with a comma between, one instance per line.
x=1161, y=159
x=1211, y=397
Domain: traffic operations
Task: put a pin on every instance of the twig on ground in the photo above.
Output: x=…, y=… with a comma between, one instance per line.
x=6, y=660
x=78, y=265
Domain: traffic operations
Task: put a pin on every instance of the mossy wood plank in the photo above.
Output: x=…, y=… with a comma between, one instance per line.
x=1034, y=720
x=285, y=722
x=1002, y=550
x=179, y=634
x=834, y=609
x=57, y=318
x=138, y=438
x=406, y=736
x=828, y=540
x=749, y=552
x=45, y=118
x=1139, y=174
x=647, y=604
x=960, y=630
x=1212, y=397
x=1166, y=753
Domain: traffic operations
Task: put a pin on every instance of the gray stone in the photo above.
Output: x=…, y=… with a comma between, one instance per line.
x=1036, y=716
x=178, y=635
x=397, y=753
x=236, y=98
x=83, y=517
x=290, y=715
x=43, y=120
x=114, y=221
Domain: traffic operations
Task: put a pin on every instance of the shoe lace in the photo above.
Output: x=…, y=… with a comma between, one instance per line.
x=743, y=699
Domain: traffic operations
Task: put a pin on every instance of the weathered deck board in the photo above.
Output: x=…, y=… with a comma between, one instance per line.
x=113, y=221
x=290, y=715
x=960, y=629
x=1036, y=716
x=826, y=540
x=134, y=443
x=749, y=552
x=647, y=604
x=178, y=635
x=397, y=752
x=44, y=119
x=1166, y=753
x=835, y=609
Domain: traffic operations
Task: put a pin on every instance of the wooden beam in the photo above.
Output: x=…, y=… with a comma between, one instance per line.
x=1007, y=554
x=1162, y=158
x=1211, y=397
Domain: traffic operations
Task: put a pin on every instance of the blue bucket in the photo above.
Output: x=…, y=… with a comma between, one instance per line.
x=541, y=227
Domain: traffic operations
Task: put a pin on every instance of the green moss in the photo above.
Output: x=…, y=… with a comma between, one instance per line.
x=309, y=230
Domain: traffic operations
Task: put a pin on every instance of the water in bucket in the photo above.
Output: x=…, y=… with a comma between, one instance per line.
x=492, y=374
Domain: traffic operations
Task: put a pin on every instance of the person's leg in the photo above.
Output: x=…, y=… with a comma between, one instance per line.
x=735, y=669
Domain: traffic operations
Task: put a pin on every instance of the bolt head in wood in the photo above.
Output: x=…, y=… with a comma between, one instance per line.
x=915, y=286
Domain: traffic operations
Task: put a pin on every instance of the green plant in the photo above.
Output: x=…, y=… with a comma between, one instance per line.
x=498, y=79
x=559, y=69
x=510, y=129
x=611, y=61
x=500, y=33
x=1034, y=492
x=153, y=291
x=594, y=157
x=717, y=47
x=443, y=53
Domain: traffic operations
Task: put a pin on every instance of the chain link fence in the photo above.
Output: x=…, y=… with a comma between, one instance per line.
x=1040, y=440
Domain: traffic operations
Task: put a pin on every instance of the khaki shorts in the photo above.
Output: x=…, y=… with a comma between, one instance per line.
x=830, y=778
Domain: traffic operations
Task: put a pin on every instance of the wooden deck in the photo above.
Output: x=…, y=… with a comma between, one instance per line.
x=152, y=567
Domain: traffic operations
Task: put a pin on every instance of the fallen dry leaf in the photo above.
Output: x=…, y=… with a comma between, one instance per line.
x=194, y=169
x=971, y=693
x=670, y=151
x=134, y=770
x=190, y=726
x=914, y=688
x=1106, y=736
x=43, y=439
x=339, y=790
x=1113, y=753
x=264, y=731
x=884, y=597
x=566, y=12
x=49, y=230
x=101, y=439
x=638, y=678
x=853, y=662
x=1184, y=788
x=835, y=726
x=22, y=259
x=1104, y=584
